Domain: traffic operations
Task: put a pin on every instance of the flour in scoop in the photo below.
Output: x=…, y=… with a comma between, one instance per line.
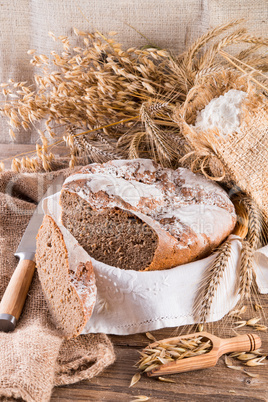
x=222, y=113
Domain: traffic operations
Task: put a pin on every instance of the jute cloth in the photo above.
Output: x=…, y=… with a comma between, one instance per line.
x=238, y=159
x=34, y=358
x=172, y=24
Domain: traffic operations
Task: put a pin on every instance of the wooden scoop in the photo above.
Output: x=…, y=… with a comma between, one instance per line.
x=241, y=343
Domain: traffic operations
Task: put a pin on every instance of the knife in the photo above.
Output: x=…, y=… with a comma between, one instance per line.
x=15, y=294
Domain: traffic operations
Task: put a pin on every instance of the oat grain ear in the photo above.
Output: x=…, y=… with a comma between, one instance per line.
x=164, y=352
x=94, y=83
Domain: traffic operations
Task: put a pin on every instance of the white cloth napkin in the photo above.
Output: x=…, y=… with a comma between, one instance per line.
x=130, y=302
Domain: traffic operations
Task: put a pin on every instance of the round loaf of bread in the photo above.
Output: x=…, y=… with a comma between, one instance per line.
x=134, y=214
x=67, y=278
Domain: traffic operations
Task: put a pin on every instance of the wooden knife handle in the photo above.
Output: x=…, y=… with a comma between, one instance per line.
x=15, y=294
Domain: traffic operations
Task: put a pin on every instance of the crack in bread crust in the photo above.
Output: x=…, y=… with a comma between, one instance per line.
x=134, y=214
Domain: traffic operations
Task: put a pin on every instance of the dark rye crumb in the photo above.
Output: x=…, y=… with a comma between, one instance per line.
x=113, y=236
x=62, y=287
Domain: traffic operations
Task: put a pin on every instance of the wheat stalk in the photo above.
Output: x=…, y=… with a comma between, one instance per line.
x=236, y=37
x=97, y=83
x=245, y=53
x=252, y=231
x=246, y=271
x=208, y=57
x=213, y=275
x=160, y=144
x=241, y=227
x=229, y=58
x=98, y=152
x=255, y=222
x=203, y=40
x=134, y=145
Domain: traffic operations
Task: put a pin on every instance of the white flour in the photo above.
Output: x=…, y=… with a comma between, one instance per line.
x=222, y=113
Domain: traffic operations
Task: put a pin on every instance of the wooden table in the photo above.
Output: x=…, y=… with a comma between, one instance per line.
x=215, y=384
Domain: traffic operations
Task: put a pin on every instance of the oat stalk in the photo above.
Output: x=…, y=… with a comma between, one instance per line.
x=95, y=83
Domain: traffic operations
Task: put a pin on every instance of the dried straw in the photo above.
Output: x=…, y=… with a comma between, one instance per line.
x=95, y=83
x=164, y=352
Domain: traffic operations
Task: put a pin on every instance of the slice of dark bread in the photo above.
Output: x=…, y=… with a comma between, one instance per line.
x=66, y=276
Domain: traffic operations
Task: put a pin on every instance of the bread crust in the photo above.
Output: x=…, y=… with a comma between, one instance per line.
x=81, y=278
x=169, y=251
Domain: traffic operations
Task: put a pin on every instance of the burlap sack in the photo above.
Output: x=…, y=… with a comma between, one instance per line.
x=239, y=159
x=172, y=24
x=34, y=358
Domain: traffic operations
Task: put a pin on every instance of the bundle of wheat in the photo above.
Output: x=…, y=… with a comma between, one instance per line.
x=105, y=102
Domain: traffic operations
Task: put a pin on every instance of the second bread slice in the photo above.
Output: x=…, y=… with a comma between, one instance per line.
x=67, y=278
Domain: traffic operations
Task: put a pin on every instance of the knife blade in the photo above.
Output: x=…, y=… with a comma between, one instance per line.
x=27, y=247
x=15, y=294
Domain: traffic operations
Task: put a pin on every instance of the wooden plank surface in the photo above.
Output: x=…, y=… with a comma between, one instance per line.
x=216, y=384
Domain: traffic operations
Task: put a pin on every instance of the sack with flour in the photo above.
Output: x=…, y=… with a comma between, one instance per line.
x=233, y=150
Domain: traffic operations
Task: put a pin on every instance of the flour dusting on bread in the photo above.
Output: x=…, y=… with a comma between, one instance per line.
x=173, y=216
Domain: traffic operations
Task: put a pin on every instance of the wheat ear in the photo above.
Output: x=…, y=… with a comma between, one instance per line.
x=246, y=271
x=134, y=145
x=160, y=144
x=200, y=42
x=255, y=223
x=93, y=152
x=211, y=282
x=236, y=37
